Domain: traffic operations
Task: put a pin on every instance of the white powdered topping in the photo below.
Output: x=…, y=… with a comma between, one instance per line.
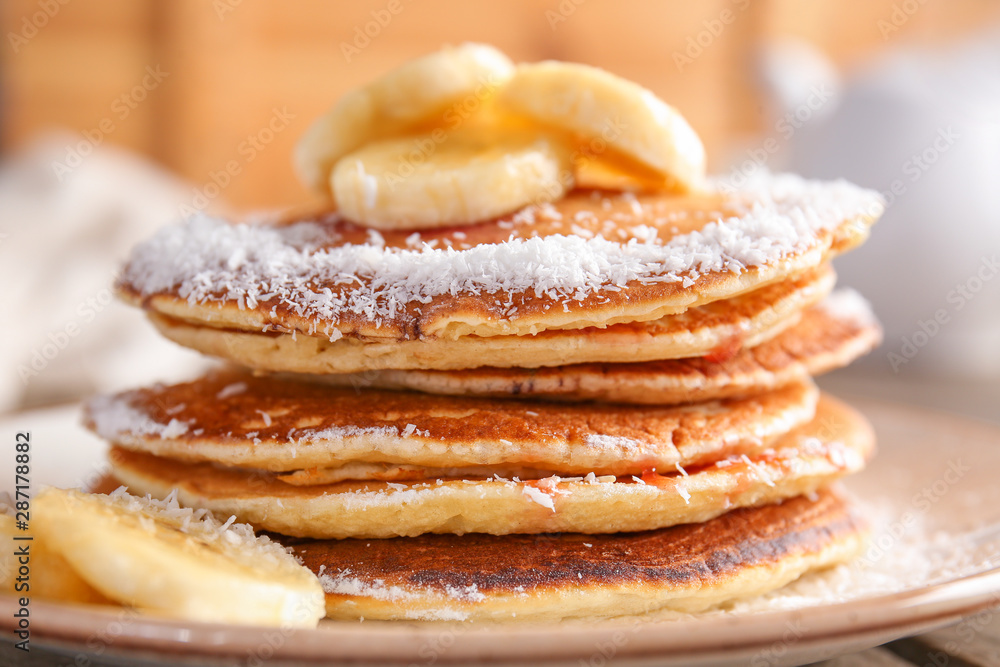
x=539, y=497
x=335, y=433
x=615, y=443
x=685, y=494
x=200, y=523
x=231, y=390
x=114, y=417
x=468, y=593
x=757, y=470
x=265, y=416
x=362, y=500
x=209, y=260
x=343, y=583
x=847, y=304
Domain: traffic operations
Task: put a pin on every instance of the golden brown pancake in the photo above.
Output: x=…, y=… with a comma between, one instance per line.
x=281, y=425
x=837, y=442
x=589, y=259
x=687, y=568
x=720, y=327
x=829, y=335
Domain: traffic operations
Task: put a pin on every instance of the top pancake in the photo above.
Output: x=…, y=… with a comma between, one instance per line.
x=589, y=259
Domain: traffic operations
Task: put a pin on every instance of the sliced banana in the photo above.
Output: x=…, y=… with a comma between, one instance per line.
x=178, y=562
x=441, y=89
x=603, y=174
x=608, y=113
x=49, y=576
x=447, y=178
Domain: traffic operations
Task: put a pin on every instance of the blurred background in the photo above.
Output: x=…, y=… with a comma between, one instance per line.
x=117, y=116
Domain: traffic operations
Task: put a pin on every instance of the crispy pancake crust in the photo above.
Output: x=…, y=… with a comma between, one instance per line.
x=837, y=442
x=746, y=320
x=827, y=336
x=687, y=568
x=262, y=422
x=589, y=259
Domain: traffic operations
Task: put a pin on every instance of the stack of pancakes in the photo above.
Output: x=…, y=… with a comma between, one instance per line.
x=573, y=426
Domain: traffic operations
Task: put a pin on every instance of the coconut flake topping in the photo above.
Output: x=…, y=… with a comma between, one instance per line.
x=208, y=260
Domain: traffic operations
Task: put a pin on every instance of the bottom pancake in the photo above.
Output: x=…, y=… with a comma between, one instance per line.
x=687, y=568
x=838, y=441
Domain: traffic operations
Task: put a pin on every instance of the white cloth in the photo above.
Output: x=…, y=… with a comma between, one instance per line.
x=61, y=242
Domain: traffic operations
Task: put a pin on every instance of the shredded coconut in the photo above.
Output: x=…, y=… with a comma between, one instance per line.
x=231, y=390
x=200, y=523
x=114, y=417
x=208, y=260
x=616, y=443
x=847, y=304
x=539, y=497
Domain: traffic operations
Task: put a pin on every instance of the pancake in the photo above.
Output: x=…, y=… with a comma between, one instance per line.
x=837, y=442
x=720, y=327
x=687, y=568
x=267, y=423
x=589, y=259
x=829, y=335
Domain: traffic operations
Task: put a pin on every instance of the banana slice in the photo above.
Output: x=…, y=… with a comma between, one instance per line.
x=446, y=178
x=603, y=174
x=608, y=113
x=440, y=89
x=179, y=562
x=50, y=575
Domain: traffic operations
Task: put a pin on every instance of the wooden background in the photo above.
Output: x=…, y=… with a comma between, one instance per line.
x=231, y=63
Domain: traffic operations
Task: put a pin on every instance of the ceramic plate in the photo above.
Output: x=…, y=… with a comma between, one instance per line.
x=931, y=493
